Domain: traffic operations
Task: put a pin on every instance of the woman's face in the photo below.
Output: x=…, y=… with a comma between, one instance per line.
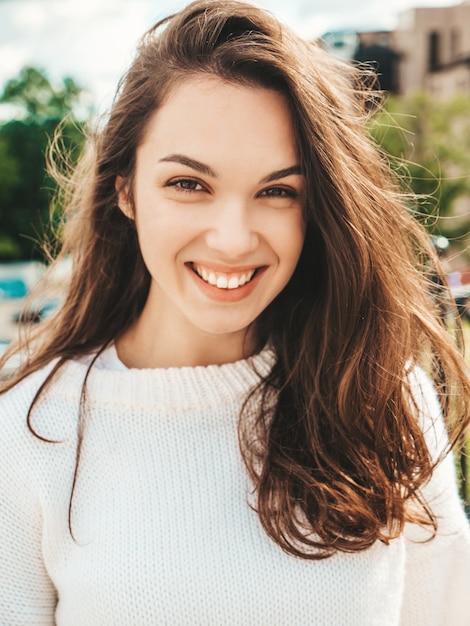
x=218, y=207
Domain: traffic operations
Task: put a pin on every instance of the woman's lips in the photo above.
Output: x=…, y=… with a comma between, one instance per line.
x=227, y=286
x=224, y=280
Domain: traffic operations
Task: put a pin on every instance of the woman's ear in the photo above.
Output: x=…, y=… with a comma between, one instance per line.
x=124, y=202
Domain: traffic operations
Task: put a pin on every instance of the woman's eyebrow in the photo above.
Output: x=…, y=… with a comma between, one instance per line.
x=288, y=171
x=202, y=168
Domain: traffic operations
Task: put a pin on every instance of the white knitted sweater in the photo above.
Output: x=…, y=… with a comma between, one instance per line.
x=164, y=534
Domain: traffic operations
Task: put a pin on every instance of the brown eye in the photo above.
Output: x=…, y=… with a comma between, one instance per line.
x=186, y=184
x=279, y=192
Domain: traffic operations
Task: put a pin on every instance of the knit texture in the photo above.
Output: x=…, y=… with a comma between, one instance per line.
x=163, y=530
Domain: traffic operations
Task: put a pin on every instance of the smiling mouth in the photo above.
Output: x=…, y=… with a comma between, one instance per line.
x=223, y=280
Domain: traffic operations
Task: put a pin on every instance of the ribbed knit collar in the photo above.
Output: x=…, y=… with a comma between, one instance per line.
x=178, y=388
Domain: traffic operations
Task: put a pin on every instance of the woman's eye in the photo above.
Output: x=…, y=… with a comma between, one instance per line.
x=279, y=192
x=186, y=184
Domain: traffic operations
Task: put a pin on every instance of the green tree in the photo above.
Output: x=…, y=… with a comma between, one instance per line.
x=37, y=100
x=433, y=138
x=25, y=188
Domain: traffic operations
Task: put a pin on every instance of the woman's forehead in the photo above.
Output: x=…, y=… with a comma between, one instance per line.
x=206, y=114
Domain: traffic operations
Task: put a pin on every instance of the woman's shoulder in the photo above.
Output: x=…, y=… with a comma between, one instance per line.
x=44, y=393
x=428, y=410
x=423, y=390
x=23, y=392
x=441, y=490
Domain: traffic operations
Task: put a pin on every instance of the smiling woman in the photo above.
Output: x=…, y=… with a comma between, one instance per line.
x=217, y=203
x=231, y=392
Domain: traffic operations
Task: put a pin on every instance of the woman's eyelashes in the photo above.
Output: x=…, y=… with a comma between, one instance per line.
x=187, y=185
x=280, y=192
x=190, y=185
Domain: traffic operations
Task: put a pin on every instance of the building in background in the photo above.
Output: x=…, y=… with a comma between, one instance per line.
x=429, y=51
x=434, y=50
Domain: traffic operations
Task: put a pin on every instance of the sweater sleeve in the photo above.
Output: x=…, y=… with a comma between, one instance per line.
x=437, y=580
x=27, y=595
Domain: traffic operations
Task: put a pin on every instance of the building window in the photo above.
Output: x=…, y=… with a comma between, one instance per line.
x=455, y=43
x=434, y=52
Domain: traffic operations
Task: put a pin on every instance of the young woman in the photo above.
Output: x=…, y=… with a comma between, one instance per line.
x=229, y=421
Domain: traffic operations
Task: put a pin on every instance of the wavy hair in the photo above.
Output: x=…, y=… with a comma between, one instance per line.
x=331, y=437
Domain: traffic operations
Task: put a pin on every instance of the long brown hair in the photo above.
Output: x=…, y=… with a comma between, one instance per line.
x=331, y=437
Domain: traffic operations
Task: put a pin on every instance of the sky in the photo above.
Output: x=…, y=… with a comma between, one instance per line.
x=93, y=40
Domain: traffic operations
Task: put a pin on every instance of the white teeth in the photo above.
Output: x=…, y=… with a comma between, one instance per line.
x=233, y=282
x=224, y=281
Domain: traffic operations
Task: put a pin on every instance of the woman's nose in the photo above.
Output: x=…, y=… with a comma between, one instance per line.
x=232, y=233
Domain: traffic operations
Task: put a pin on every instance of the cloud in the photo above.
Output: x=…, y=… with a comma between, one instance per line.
x=91, y=41
x=13, y=59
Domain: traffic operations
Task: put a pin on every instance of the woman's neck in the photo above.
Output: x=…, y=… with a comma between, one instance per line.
x=149, y=346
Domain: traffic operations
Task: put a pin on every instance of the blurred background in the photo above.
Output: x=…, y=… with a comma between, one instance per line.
x=60, y=61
